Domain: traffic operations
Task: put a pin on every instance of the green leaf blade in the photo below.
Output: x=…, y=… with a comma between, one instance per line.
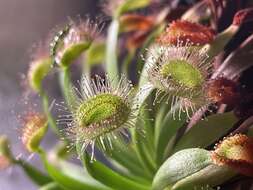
x=109, y=177
x=215, y=126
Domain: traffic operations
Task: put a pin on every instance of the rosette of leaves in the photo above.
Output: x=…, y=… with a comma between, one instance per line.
x=150, y=147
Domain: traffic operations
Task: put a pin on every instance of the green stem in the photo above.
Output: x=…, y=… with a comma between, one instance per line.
x=107, y=176
x=33, y=173
x=51, y=186
x=220, y=42
x=143, y=154
x=67, y=88
x=86, y=68
x=111, y=52
x=46, y=108
x=127, y=62
x=140, y=63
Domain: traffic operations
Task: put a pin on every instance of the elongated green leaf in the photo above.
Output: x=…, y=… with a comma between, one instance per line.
x=109, y=177
x=166, y=130
x=51, y=186
x=34, y=174
x=148, y=126
x=127, y=157
x=67, y=88
x=121, y=170
x=143, y=153
x=111, y=52
x=70, y=176
x=141, y=65
x=127, y=62
x=143, y=138
x=46, y=109
x=143, y=92
x=140, y=146
x=207, y=131
x=220, y=41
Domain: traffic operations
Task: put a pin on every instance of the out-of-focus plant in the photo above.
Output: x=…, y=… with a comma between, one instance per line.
x=157, y=132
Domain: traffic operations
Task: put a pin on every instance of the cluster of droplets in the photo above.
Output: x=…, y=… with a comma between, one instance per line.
x=102, y=112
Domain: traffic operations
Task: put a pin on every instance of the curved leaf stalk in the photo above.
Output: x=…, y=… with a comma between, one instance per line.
x=107, y=176
x=111, y=52
x=165, y=131
x=69, y=177
x=47, y=111
x=86, y=68
x=51, y=186
x=140, y=63
x=220, y=42
x=33, y=173
x=127, y=62
x=127, y=158
x=222, y=122
x=141, y=148
x=126, y=172
x=67, y=88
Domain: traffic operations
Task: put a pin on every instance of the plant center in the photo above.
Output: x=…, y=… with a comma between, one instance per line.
x=103, y=108
x=182, y=73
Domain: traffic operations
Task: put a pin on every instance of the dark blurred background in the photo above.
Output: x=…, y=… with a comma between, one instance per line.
x=23, y=23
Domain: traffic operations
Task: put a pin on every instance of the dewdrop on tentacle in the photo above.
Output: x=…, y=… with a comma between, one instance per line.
x=101, y=114
x=179, y=73
x=34, y=129
x=70, y=42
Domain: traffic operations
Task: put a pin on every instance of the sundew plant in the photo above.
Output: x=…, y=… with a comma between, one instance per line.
x=163, y=99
